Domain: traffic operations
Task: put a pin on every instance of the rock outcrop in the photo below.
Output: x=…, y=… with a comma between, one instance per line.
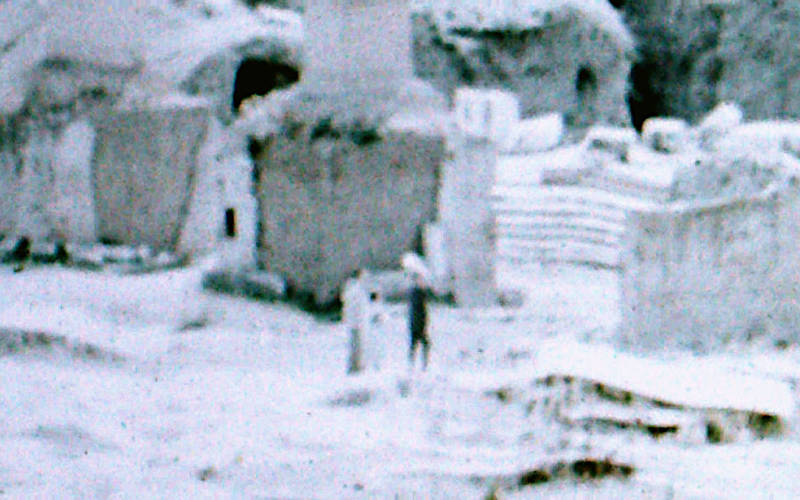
x=693, y=55
x=565, y=56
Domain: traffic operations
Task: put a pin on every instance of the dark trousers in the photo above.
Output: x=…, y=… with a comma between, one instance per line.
x=419, y=337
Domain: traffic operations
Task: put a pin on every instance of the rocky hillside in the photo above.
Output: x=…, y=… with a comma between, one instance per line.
x=564, y=56
x=692, y=55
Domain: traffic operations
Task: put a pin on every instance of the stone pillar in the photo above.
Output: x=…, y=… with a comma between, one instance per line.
x=484, y=119
x=224, y=182
x=488, y=114
x=72, y=203
x=465, y=211
x=33, y=215
x=9, y=184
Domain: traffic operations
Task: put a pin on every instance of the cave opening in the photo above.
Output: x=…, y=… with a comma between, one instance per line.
x=585, y=81
x=257, y=76
x=644, y=98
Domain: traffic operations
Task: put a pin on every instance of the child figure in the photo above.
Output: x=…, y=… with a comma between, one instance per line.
x=354, y=313
x=373, y=331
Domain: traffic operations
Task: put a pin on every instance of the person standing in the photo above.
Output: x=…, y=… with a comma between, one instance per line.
x=354, y=311
x=418, y=319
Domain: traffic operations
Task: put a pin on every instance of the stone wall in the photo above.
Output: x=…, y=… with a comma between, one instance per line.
x=143, y=173
x=700, y=274
x=8, y=185
x=45, y=150
x=72, y=200
x=329, y=206
x=224, y=181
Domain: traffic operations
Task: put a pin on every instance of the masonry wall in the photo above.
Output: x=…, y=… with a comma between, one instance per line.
x=330, y=206
x=700, y=275
x=45, y=191
x=72, y=201
x=224, y=181
x=46, y=147
x=143, y=173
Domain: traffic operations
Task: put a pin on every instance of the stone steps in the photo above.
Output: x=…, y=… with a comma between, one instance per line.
x=583, y=225
x=546, y=252
x=559, y=224
x=567, y=223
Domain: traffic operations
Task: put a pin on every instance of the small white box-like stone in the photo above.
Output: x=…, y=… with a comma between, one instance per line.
x=488, y=114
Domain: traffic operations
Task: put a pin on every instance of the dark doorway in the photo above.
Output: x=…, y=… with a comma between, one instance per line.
x=259, y=77
x=586, y=88
x=230, y=223
x=644, y=98
x=585, y=81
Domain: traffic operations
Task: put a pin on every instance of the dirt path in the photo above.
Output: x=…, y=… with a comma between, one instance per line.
x=255, y=403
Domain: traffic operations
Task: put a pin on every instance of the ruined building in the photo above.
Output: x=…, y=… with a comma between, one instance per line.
x=347, y=175
x=125, y=138
x=566, y=56
x=719, y=264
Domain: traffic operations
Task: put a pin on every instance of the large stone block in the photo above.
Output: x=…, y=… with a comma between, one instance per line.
x=700, y=274
x=143, y=173
x=72, y=202
x=487, y=114
x=332, y=201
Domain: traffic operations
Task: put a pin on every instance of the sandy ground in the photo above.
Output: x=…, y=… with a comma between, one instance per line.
x=255, y=402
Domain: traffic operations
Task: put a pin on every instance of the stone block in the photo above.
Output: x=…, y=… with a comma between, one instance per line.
x=143, y=178
x=488, y=114
x=330, y=202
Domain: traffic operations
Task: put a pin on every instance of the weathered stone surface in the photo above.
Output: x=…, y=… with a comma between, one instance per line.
x=696, y=54
x=723, y=175
x=332, y=200
x=702, y=273
x=44, y=147
x=143, y=173
x=73, y=204
x=468, y=221
x=566, y=62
